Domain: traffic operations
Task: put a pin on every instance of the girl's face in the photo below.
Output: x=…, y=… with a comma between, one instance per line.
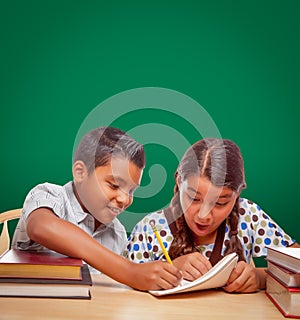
x=109, y=189
x=205, y=206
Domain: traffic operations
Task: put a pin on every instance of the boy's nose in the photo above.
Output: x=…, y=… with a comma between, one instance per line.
x=124, y=198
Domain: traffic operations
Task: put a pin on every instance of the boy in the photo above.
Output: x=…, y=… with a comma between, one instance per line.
x=79, y=218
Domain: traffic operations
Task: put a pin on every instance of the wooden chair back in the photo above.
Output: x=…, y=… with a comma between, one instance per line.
x=4, y=237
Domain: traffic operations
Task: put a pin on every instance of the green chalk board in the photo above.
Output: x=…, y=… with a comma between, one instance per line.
x=239, y=60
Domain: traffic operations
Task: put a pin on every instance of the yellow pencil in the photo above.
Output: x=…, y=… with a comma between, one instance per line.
x=152, y=224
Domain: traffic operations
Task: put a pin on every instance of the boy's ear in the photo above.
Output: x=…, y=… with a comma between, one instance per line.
x=79, y=171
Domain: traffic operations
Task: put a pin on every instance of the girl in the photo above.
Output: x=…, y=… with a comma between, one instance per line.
x=207, y=219
x=79, y=219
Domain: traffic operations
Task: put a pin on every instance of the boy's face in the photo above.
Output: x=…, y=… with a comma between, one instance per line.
x=109, y=189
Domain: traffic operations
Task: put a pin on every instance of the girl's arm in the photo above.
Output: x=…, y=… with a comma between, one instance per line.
x=66, y=238
x=295, y=245
x=246, y=278
x=192, y=265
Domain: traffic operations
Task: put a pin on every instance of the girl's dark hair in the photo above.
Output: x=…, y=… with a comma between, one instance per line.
x=220, y=161
x=99, y=145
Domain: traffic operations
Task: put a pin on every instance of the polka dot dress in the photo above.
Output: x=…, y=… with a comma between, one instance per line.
x=256, y=231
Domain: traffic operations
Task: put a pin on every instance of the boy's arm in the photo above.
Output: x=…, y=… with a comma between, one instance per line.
x=44, y=227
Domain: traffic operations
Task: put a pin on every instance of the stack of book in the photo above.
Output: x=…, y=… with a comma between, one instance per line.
x=283, y=280
x=43, y=274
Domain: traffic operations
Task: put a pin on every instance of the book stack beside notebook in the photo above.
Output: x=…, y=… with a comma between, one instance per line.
x=43, y=274
x=283, y=280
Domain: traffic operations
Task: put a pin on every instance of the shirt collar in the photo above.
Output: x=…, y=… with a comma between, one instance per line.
x=79, y=214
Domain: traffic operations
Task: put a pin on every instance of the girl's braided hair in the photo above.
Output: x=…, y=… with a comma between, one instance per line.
x=220, y=161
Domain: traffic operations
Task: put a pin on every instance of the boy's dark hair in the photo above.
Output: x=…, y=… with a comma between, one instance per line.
x=220, y=161
x=98, y=146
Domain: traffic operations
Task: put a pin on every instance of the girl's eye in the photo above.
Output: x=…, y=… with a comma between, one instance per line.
x=193, y=199
x=113, y=186
x=221, y=204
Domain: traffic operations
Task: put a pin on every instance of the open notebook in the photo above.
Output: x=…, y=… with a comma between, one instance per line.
x=216, y=277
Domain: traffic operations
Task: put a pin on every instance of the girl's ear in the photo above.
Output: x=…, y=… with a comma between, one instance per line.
x=80, y=171
x=178, y=182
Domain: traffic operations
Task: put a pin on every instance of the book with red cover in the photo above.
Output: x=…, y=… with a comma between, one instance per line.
x=289, y=278
x=286, y=257
x=286, y=299
x=48, y=288
x=43, y=264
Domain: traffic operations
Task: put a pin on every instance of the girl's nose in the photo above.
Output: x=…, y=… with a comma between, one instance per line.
x=205, y=211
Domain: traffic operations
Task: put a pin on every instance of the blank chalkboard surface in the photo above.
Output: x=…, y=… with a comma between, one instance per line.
x=232, y=65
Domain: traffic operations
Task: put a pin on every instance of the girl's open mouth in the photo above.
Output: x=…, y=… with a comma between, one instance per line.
x=202, y=227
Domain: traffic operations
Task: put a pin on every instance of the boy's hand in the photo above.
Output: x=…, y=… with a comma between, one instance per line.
x=243, y=279
x=155, y=276
x=192, y=265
